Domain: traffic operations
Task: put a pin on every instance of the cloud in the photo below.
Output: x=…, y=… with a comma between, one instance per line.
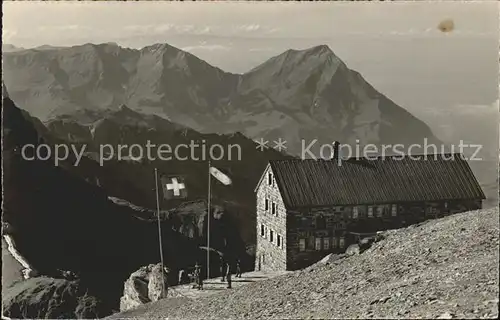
x=419, y=32
x=206, y=47
x=265, y=49
x=137, y=28
x=63, y=28
x=479, y=109
x=249, y=27
x=189, y=29
x=163, y=28
x=205, y=30
x=8, y=34
x=476, y=110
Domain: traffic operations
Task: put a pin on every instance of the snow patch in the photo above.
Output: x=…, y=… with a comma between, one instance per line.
x=28, y=272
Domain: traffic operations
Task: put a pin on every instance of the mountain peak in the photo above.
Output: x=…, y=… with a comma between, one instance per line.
x=7, y=47
x=313, y=55
x=124, y=108
x=46, y=47
x=300, y=62
x=126, y=112
x=316, y=50
x=322, y=48
x=159, y=46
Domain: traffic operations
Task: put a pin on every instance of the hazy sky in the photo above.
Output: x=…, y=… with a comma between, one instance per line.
x=395, y=46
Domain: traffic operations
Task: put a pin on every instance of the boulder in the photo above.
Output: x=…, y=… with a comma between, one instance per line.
x=157, y=283
x=353, y=249
x=29, y=273
x=143, y=286
x=366, y=243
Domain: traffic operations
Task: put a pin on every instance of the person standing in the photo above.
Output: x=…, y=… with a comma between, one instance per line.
x=197, y=276
x=238, y=268
x=181, y=276
x=193, y=279
x=228, y=275
x=199, y=281
x=166, y=272
x=222, y=268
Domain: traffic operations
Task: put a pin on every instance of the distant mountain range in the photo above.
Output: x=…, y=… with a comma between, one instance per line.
x=10, y=48
x=299, y=94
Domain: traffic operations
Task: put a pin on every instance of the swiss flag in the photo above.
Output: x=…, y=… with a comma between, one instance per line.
x=174, y=187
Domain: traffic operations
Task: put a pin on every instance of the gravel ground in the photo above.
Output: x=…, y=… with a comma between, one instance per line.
x=445, y=268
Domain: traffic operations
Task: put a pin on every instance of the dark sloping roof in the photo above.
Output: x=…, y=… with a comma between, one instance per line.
x=305, y=183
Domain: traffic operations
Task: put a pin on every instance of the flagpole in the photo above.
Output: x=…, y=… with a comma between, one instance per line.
x=159, y=236
x=208, y=222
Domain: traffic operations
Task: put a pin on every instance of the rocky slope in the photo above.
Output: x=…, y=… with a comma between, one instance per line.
x=300, y=94
x=50, y=298
x=445, y=268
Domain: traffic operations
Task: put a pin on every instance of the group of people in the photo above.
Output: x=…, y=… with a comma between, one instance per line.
x=194, y=277
x=226, y=271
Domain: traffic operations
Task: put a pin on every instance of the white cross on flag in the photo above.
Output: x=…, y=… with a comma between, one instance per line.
x=174, y=187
